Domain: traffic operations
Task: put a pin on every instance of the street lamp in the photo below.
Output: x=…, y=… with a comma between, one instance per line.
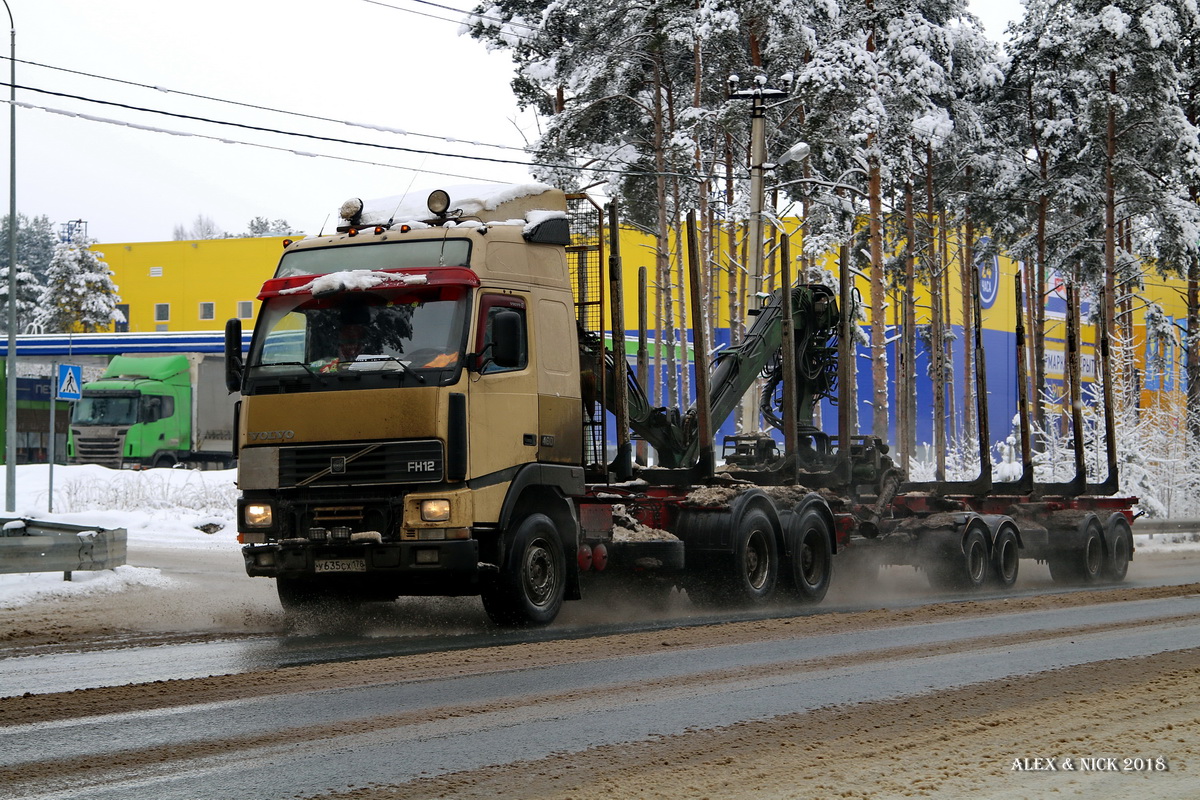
x=10, y=360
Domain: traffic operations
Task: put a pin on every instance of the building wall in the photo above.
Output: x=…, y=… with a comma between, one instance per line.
x=181, y=276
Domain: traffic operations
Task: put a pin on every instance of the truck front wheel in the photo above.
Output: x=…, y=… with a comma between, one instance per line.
x=529, y=590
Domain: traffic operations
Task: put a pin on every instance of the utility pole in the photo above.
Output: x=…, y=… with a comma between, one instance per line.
x=758, y=95
x=10, y=362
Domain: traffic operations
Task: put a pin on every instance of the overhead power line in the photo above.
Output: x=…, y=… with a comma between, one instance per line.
x=488, y=18
x=241, y=104
x=591, y=167
x=264, y=129
x=223, y=140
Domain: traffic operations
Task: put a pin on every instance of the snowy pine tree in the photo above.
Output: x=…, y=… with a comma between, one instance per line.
x=35, y=244
x=79, y=295
x=29, y=293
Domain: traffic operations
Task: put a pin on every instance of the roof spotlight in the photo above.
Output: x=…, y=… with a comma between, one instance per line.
x=438, y=202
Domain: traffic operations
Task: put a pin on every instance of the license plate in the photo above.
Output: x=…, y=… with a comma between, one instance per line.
x=341, y=565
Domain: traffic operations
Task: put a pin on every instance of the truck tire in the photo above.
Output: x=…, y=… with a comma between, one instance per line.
x=811, y=562
x=296, y=594
x=966, y=567
x=306, y=595
x=755, y=560
x=1083, y=563
x=1006, y=556
x=530, y=588
x=746, y=577
x=164, y=461
x=1120, y=548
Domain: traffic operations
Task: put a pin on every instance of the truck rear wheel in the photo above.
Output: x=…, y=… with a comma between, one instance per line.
x=756, y=560
x=746, y=577
x=811, y=555
x=531, y=585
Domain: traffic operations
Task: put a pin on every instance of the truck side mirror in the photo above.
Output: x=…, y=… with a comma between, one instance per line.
x=507, y=336
x=233, y=355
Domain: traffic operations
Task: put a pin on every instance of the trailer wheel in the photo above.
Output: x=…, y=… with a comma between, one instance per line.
x=1120, y=549
x=811, y=555
x=1006, y=556
x=965, y=567
x=1081, y=564
x=531, y=585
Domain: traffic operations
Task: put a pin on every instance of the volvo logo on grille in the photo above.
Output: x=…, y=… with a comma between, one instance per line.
x=266, y=436
x=337, y=465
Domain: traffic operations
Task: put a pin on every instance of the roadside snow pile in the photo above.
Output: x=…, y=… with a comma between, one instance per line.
x=1165, y=542
x=22, y=589
x=158, y=507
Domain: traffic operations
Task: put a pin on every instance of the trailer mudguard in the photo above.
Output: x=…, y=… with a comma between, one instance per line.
x=942, y=539
x=994, y=521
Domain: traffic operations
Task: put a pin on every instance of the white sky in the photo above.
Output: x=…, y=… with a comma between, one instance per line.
x=351, y=60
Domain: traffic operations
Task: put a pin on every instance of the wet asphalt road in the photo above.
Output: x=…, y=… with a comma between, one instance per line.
x=327, y=641
x=370, y=750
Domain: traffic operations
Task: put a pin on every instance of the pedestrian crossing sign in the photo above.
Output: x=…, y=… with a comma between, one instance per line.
x=70, y=382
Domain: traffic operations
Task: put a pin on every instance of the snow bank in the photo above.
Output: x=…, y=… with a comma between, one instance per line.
x=160, y=507
x=22, y=589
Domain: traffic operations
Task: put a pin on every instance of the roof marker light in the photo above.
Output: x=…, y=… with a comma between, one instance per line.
x=379, y=229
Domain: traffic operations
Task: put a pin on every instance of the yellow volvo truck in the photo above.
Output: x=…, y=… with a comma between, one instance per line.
x=411, y=414
x=424, y=411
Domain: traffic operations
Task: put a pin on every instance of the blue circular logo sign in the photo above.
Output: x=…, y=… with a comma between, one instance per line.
x=989, y=275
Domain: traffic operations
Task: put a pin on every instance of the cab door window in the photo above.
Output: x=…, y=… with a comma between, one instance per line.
x=491, y=306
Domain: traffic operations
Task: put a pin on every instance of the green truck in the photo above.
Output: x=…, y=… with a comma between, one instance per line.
x=155, y=411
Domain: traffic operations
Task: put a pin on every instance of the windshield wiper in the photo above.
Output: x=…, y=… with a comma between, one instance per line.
x=404, y=368
x=287, y=364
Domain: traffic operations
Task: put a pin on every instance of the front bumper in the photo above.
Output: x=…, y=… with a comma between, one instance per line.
x=441, y=567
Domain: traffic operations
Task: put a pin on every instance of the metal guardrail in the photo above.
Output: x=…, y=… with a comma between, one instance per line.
x=1167, y=526
x=29, y=545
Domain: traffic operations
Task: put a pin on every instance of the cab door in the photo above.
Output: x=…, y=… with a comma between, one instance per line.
x=502, y=407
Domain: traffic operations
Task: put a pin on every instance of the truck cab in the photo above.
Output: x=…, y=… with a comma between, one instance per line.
x=137, y=414
x=411, y=412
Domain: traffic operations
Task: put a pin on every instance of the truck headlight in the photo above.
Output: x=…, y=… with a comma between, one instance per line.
x=258, y=515
x=435, y=510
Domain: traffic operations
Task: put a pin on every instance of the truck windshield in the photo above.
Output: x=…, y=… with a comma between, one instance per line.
x=105, y=410
x=402, y=330
x=395, y=255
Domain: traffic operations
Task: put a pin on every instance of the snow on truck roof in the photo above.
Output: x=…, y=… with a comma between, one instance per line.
x=488, y=202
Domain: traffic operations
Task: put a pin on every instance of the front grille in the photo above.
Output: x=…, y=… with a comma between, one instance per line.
x=105, y=451
x=419, y=461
